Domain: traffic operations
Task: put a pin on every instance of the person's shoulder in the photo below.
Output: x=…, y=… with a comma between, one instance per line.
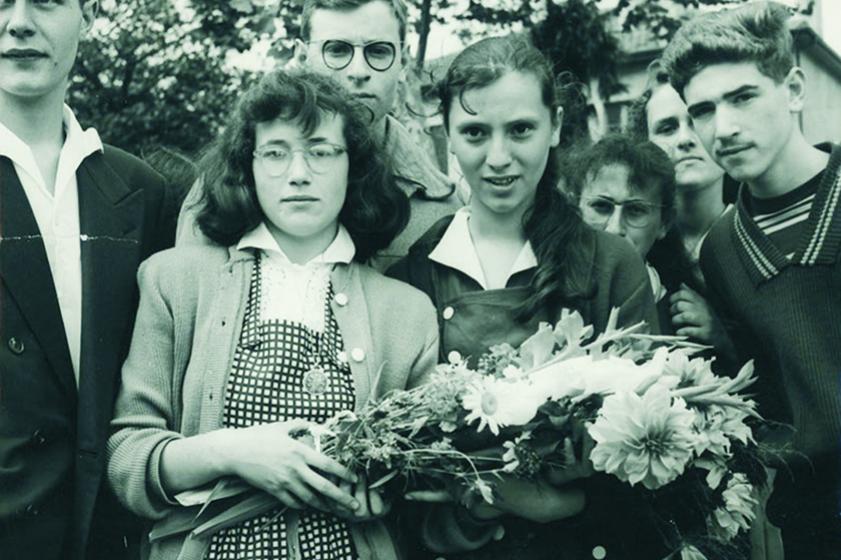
x=193, y=261
x=131, y=168
x=720, y=233
x=388, y=291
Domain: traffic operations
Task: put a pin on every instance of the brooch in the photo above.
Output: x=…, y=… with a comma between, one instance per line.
x=316, y=381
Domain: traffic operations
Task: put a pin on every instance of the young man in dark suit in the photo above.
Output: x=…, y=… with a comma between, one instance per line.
x=76, y=219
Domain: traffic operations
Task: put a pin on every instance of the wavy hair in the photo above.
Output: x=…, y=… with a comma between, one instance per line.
x=756, y=32
x=551, y=224
x=374, y=210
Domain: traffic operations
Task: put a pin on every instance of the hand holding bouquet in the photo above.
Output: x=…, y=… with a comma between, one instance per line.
x=642, y=408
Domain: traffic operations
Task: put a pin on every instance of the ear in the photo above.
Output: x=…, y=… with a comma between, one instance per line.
x=795, y=84
x=89, y=11
x=300, y=53
x=556, y=127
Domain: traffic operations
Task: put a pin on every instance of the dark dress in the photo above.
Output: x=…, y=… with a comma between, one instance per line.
x=471, y=320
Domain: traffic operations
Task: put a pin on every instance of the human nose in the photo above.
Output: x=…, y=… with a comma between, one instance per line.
x=20, y=20
x=299, y=172
x=498, y=153
x=687, y=138
x=726, y=124
x=615, y=224
x=358, y=69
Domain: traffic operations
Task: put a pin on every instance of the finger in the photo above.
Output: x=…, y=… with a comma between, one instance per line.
x=569, y=453
x=289, y=500
x=302, y=492
x=429, y=496
x=328, y=490
x=692, y=332
x=377, y=504
x=327, y=465
x=361, y=496
x=680, y=295
x=686, y=319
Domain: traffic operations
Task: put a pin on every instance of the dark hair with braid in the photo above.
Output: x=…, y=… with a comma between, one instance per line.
x=375, y=209
x=551, y=224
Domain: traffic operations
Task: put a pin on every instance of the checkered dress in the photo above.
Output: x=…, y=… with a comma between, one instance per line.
x=271, y=380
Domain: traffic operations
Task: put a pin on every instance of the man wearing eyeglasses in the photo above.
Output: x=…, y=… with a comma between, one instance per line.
x=361, y=43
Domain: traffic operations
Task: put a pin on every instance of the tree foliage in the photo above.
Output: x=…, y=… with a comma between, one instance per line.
x=149, y=76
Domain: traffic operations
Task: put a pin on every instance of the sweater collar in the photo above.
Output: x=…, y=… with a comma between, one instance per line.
x=818, y=246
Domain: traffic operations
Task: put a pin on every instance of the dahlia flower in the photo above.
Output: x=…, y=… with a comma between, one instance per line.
x=645, y=439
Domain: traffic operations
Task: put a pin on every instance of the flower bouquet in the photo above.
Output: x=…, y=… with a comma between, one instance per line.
x=660, y=420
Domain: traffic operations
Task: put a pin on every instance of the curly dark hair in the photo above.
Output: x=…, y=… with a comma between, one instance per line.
x=374, y=211
x=551, y=224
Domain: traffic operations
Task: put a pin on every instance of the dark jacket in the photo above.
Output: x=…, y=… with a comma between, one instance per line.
x=53, y=501
x=472, y=319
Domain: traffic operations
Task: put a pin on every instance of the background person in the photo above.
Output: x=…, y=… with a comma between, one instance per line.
x=361, y=43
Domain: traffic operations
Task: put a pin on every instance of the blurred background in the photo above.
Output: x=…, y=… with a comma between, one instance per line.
x=156, y=77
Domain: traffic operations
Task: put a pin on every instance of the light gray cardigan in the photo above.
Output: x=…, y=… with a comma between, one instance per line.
x=192, y=303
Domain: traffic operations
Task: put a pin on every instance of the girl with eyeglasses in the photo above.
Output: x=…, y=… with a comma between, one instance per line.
x=516, y=256
x=241, y=345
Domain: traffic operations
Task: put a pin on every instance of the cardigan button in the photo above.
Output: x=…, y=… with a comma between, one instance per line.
x=454, y=357
x=358, y=354
x=599, y=553
x=448, y=313
x=16, y=346
x=341, y=299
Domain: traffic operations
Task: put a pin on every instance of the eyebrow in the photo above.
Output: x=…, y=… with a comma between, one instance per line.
x=311, y=140
x=728, y=95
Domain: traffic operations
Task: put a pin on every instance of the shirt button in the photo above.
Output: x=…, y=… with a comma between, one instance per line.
x=358, y=354
x=16, y=346
x=448, y=313
x=342, y=356
x=599, y=553
x=454, y=357
x=341, y=299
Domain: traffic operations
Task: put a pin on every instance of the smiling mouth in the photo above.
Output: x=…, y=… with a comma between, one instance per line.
x=501, y=181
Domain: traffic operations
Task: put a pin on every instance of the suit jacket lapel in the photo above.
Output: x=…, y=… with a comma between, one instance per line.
x=26, y=273
x=110, y=217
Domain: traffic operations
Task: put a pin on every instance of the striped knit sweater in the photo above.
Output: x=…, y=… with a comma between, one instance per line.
x=786, y=314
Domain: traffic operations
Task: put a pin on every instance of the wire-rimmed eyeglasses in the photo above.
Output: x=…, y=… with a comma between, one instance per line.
x=319, y=157
x=599, y=210
x=337, y=54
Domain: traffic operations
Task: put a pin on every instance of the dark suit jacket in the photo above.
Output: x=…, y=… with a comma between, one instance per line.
x=53, y=502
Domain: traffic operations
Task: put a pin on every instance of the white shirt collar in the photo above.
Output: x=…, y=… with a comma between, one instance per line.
x=341, y=250
x=456, y=250
x=78, y=144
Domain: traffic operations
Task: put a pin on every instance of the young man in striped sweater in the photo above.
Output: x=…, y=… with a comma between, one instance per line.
x=773, y=262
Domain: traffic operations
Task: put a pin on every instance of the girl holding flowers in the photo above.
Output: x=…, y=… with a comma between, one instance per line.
x=516, y=256
x=239, y=346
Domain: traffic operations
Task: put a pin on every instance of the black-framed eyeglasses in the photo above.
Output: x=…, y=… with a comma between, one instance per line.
x=599, y=210
x=319, y=157
x=337, y=54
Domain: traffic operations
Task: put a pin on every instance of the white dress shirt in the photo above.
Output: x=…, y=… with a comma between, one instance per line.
x=296, y=292
x=456, y=250
x=57, y=216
